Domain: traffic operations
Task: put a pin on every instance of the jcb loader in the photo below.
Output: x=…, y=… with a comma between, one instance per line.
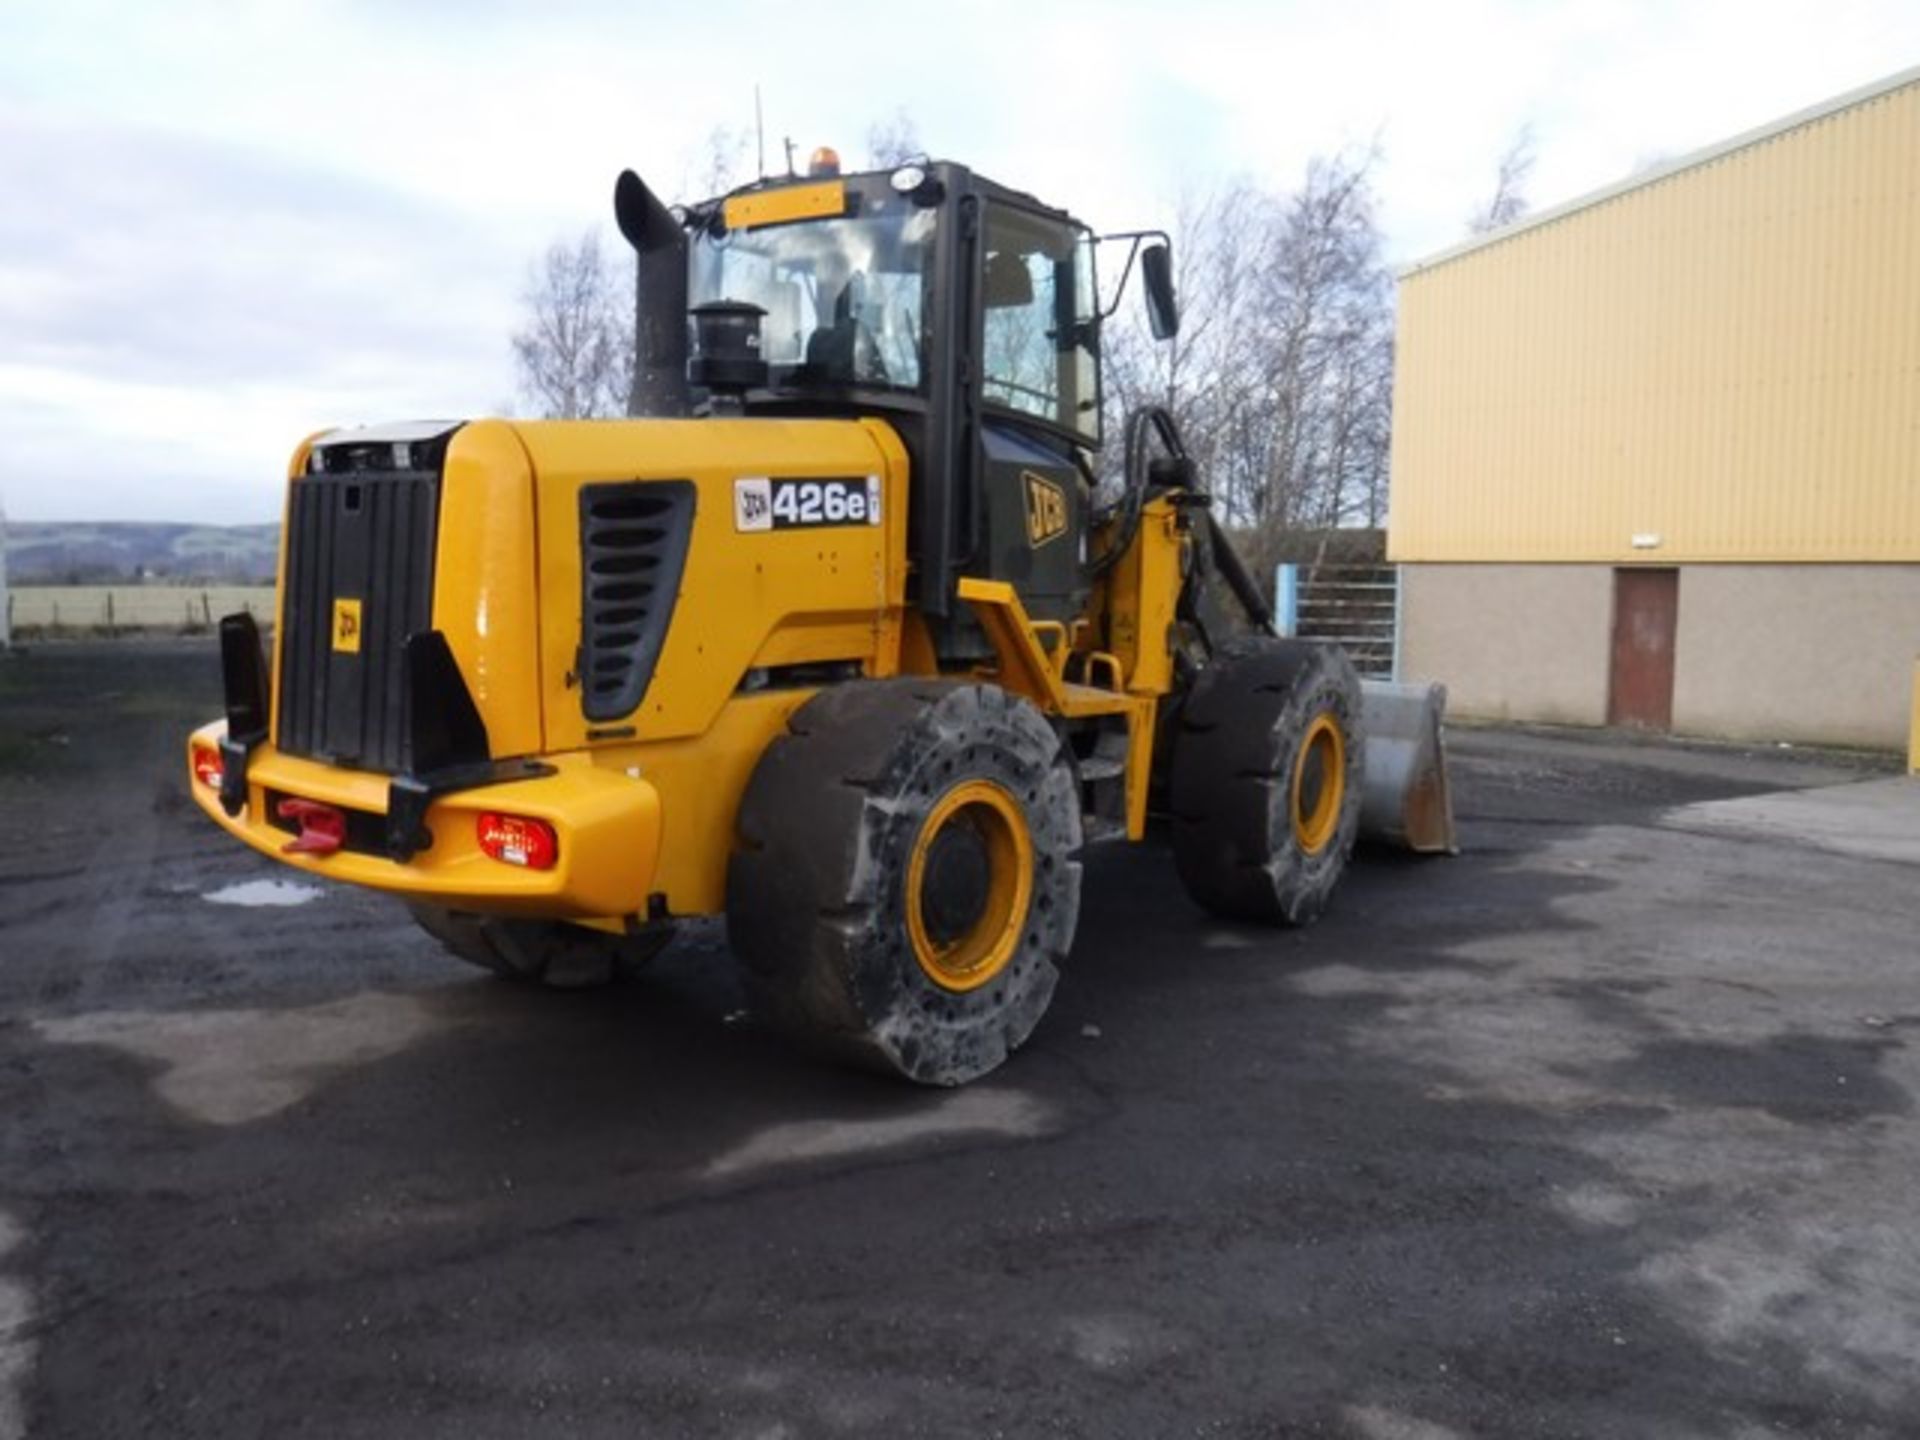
x=838, y=637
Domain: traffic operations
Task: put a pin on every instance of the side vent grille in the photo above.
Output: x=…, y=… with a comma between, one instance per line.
x=633, y=546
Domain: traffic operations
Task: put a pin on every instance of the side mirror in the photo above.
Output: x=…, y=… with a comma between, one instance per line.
x=1156, y=274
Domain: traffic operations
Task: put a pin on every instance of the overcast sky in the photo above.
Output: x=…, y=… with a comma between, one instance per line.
x=226, y=225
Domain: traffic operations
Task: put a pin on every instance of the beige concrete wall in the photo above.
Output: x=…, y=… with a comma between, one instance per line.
x=1812, y=654
x=1511, y=642
x=1821, y=654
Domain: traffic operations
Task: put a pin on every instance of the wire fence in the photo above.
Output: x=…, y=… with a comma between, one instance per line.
x=111, y=609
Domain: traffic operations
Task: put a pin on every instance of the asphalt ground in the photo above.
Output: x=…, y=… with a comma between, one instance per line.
x=1604, y=1128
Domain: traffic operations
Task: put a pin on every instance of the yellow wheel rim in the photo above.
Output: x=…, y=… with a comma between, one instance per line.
x=1319, y=784
x=969, y=884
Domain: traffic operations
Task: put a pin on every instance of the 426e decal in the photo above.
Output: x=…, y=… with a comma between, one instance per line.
x=760, y=503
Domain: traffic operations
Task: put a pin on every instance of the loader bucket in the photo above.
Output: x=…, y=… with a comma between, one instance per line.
x=1405, y=801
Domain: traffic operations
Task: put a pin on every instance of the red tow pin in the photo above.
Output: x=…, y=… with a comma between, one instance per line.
x=323, y=828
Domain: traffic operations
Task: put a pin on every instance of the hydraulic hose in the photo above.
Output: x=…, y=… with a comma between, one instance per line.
x=1239, y=579
x=1136, y=473
x=1158, y=421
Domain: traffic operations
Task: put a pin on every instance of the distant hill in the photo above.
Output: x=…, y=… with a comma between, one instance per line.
x=122, y=552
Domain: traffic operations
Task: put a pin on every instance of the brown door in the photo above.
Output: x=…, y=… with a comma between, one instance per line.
x=1646, y=609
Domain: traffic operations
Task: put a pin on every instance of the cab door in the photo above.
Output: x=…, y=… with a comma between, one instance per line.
x=1040, y=398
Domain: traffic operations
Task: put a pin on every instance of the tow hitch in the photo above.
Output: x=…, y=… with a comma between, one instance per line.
x=323, y=828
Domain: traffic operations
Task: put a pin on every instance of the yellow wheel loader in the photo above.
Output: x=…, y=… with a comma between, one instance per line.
x=838, y=638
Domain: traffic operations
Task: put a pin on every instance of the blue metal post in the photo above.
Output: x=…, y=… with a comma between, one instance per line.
x=1286, y=599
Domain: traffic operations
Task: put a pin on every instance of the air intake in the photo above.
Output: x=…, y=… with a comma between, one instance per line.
x=633, y=546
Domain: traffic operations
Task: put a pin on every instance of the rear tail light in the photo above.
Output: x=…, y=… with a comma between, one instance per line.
x=207, y=768
x=518, y=840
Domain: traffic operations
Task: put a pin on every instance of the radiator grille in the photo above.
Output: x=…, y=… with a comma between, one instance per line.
x=633, y=547
x=357, y=539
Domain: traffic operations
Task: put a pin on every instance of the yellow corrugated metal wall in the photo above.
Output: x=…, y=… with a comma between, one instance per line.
x=1727, y=358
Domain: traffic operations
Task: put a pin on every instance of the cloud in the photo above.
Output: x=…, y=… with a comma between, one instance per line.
x=230, y=224
x=1445, y=88
x=176, y=312
x=151, y=256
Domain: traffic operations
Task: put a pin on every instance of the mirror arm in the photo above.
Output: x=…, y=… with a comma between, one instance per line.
x=1133, y=252
x=1126, y=273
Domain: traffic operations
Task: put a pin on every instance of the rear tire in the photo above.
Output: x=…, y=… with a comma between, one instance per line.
x=549, y=953
x=1267, y=775
x=907, y=879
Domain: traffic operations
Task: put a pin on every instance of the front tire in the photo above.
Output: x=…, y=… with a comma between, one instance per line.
x=907, y=880
x=1267, y=774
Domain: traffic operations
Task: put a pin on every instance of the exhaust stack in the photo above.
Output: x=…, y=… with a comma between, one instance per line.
x=660, y=311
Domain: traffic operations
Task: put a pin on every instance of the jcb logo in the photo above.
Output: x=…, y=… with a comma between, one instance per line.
x=1046, y=509
x=346, y=626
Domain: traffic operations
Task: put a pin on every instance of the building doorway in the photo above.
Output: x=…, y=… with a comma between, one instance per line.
x=1646, y=614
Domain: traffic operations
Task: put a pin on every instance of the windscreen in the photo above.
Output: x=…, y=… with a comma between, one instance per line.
x=845, y=298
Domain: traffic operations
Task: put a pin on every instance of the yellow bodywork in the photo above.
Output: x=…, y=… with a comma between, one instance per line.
x=482, y=558
x=643, y=807
x=777, y=597
x=1913, y=731
x=1029, y=669
x=786, y=203
x=1142, y=598
x=608, y=826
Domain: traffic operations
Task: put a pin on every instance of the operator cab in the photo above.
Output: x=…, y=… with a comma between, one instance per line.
x=843, y=271
x=963, y=313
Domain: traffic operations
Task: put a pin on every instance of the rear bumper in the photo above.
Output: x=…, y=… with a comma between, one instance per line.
x=607, y=824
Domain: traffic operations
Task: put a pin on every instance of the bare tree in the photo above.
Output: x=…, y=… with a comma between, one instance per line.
x=724, y=161
x=1327, y=300
x=1198, y=374
x=1281, y=375
x=574, y=352
x=893, y=141
x=1509, y=199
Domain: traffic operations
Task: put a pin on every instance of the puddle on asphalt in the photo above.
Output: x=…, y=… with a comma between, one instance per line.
x=1598, y=1206
x=974, y=1112
x=16, y=1350
x=1118, y=1341
x=263, y=892
x=1377, y=1422
x=1225, y=940
x=228, y=1067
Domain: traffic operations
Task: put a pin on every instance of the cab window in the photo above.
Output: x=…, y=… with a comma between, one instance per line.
x=1040, y=341
x=844, y=297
